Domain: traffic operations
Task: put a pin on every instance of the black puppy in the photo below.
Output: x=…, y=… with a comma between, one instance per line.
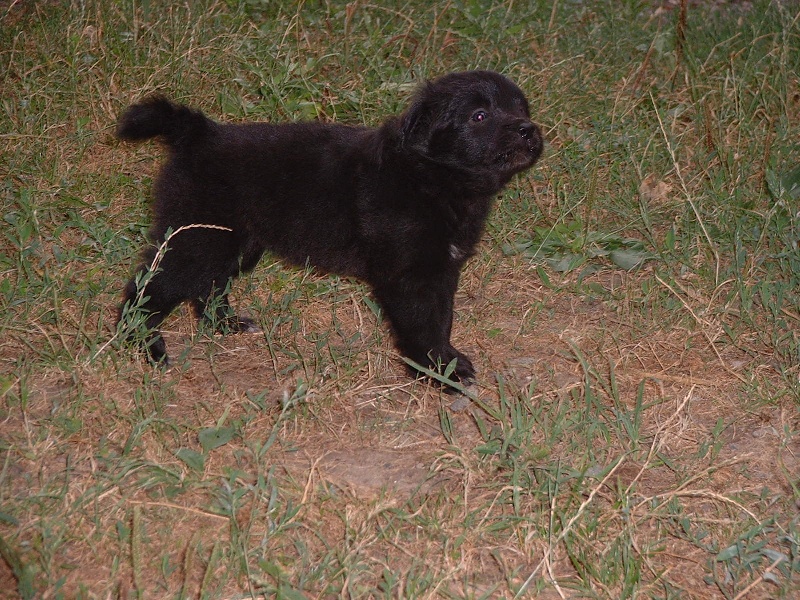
x=400, y=207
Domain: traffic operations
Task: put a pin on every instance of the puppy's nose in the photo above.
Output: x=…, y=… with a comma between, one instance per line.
x=526, y=130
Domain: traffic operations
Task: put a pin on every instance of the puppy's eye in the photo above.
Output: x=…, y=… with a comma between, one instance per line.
x=479, y=115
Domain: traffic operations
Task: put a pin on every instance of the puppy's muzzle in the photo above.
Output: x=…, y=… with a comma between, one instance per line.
x=530, y=142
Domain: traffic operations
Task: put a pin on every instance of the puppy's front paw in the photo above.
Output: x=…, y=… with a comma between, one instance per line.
x=440, y=361
x=464, y=371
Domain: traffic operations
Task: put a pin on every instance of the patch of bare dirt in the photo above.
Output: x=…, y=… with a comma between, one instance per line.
x=364, y=438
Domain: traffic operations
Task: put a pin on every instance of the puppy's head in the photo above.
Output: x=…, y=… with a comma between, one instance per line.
x=475, y=122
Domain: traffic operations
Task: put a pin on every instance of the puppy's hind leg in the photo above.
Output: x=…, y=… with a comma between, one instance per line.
x=141, y=313
x=187, y=271
x=213, y=306
x=216, y=310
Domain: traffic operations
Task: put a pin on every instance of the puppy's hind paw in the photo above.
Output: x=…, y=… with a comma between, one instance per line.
x=245, y=325
x=155, y=352
x=232, y=324
x=164, y=364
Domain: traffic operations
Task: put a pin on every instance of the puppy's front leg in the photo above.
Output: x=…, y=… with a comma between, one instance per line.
x=421, y=313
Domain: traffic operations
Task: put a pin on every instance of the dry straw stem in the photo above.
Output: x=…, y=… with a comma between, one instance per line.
x=769, y=569
x=703, y=327
x=685, y=190
x=699, y=494
x=162, y=250
x=171, y=505
x=551, y=547
x=691, y=380
x=658, y=440
x=136, y=551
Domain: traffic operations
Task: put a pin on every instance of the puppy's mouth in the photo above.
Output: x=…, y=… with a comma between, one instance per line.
x=519, y=158
x=524, y=152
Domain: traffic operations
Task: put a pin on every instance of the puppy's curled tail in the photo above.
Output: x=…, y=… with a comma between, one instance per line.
x=157, y=116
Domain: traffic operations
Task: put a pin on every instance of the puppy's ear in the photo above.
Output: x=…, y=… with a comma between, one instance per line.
x=416, y=122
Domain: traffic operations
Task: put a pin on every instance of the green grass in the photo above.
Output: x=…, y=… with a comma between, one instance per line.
x=634, y=433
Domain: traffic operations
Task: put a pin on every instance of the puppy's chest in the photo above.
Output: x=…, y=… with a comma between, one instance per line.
x=462, y=233
x=457, y=245
x=458, y=254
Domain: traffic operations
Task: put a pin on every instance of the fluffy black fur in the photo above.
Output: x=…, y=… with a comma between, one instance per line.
x=400, y=206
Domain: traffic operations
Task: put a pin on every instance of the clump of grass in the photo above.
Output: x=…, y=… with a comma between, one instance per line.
x=568, y=247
